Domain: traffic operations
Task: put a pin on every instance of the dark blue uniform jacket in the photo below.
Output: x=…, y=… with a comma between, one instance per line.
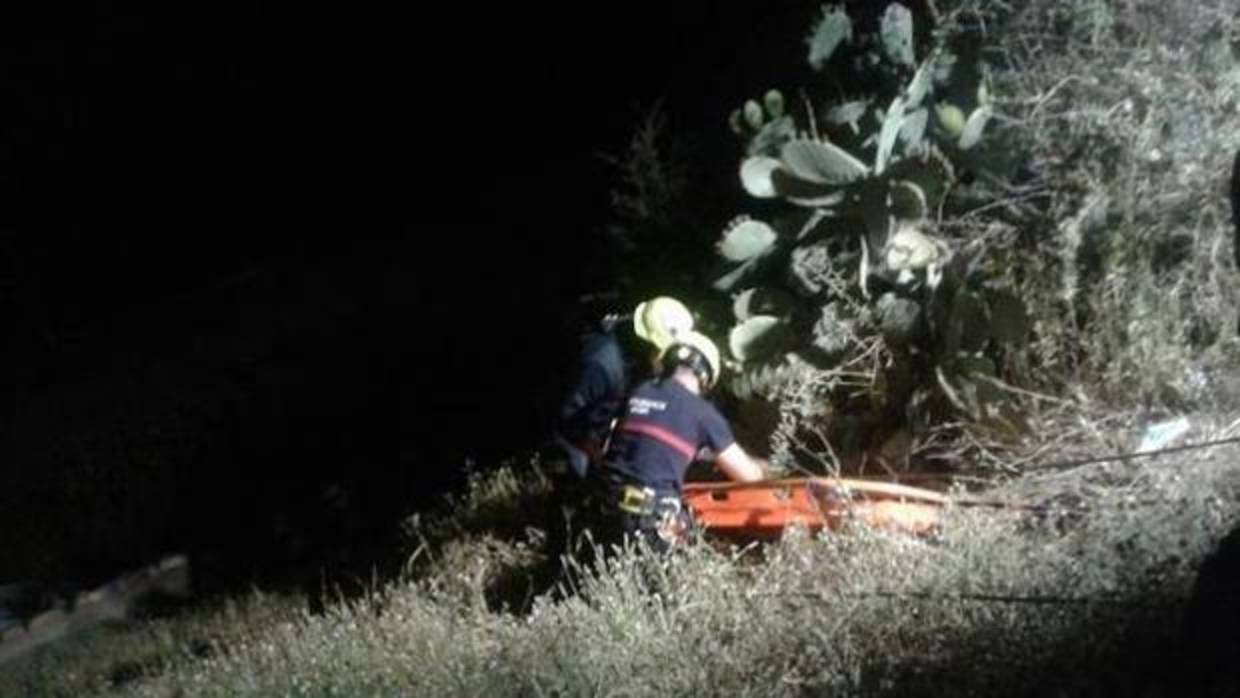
x=664, y=427
x=596, y=393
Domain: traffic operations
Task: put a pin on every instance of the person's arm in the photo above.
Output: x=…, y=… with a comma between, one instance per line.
x=738, y=465
x=587, y=386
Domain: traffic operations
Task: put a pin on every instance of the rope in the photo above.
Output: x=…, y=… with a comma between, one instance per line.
x=1063, y=465
x=1143, y=454
x=1144, y=599
x=1007, y=599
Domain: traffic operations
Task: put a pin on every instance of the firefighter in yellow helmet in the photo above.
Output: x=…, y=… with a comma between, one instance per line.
x=597, y=392
x=665, y=425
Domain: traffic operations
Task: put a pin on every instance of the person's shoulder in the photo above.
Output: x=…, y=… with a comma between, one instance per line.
x=701, y=403
x=599, y=342
x=688, y=396
x=708, y=407
x=650, y=386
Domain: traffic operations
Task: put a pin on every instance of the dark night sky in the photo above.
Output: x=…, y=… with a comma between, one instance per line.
x=550, y=93
x=403, y=198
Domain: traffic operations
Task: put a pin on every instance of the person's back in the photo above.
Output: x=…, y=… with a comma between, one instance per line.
x=662, y=431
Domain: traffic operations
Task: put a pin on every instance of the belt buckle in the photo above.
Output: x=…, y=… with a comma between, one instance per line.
x=638, y=501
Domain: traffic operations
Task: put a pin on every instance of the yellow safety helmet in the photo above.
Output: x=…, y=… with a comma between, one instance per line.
x=696, y=351
x=661, y=321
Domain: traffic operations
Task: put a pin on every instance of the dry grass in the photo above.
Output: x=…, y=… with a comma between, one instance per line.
x=1126, y=112
x=1063, y=601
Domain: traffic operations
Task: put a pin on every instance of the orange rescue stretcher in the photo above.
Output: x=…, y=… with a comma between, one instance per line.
x=762, y=510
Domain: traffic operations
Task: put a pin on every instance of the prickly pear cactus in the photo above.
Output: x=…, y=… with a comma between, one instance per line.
x=764, y=124
x=896, y=33
x=861, y=272
x=820, y=162
x=757, y=174
x=773, y=101
x=831, y=30
x=971, y=132
x=764, y=300
x=752, y=112
x=758, y=337
x=745, y=239
x=950, y=118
